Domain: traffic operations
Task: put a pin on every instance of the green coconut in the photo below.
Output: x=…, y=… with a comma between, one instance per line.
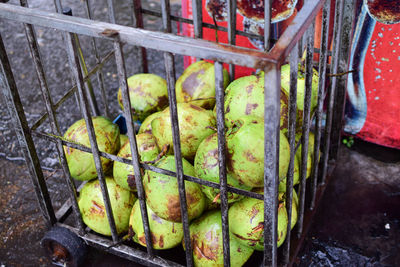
x=164, y=234
x=146, y=124
x=148, y=93
x=124, y=174
x=93, y=210
x=206, y=167
x=285, y=83
x=162, y=194
x=81, y=164
x=245, y=142
x=246, y=222
x=123, y=139
x=245, y=96
x=206, y=239
x=195, y=124
x=197, y=84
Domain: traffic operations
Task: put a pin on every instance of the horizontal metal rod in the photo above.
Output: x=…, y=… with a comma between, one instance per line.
x=121, y=250
x=204, y=24
x=139, y=37
x=71, y=91
x=53, y=138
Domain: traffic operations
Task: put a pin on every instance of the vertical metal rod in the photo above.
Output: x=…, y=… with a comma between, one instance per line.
x=89, y=87
x=59, y=9
x=119, y=58
x=16, y=110
x=111, y=13
x=272, y=88
x=35, y=53
x=306, y=125
x=99, y=73
x=170, y=71
x=75, y=68
x=321, y=90
x=232, y=31
x=170, y=68
x=267, y=24
x=197, y=18
x=166, y=15
x=293, y=59
x=332, y=88
x=137, y=22
x=219, y=95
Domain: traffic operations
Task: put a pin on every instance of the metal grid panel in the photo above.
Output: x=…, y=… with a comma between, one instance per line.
x=268, y=61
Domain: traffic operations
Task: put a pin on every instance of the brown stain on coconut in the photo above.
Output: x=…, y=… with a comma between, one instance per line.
x=196, y=107
x=131, y=181
x=251, y=243
x=190, y=84
x=174, y=208
x=162, y=102
x=250, y=107
x=97, y=208
x=250, y=157
x=284, y=110
x=201, y=250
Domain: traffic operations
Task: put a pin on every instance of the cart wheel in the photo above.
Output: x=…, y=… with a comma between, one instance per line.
x=64, y=247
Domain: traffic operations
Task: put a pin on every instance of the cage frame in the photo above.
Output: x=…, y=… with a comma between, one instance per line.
x=271, y=61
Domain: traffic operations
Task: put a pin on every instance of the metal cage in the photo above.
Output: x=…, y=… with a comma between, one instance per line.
x=298, y=35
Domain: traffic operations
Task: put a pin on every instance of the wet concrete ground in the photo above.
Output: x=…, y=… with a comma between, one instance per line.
x=357, y=223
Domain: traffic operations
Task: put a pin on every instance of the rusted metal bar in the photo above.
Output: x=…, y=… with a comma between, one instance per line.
x=99, y=74
x=219, y=96
x=170, y=69
x=332, y=88
x=121, y=250
x=119, y=58
x=293, y=60
x=35, y=53
x=306, y=116
x=16, y=110
x=154, y=40
x=75, y=68
x=296, y=29
x=272, y=89
x=348, y=24
x=321, y=90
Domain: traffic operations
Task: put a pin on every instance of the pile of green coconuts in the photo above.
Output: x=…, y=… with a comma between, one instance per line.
x=244, y=127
